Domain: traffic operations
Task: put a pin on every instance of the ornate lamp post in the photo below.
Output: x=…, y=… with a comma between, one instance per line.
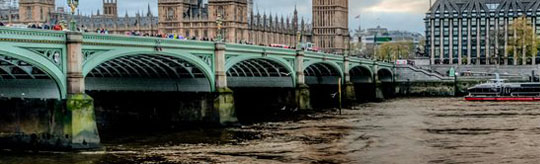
x=219, y=23
x=73, y=4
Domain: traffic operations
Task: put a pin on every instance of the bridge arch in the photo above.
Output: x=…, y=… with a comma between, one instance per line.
x=261, y=71
x=361, y=74
x=322, y=72
x=150, y=64
x=324, y=63
x=31, y=60
x=385, y=75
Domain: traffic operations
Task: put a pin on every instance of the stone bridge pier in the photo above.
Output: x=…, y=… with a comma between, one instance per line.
x=224, y=102
x=53, y=124
x=80, y=125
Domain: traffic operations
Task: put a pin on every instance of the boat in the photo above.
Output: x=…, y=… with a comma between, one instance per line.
x=498, y=90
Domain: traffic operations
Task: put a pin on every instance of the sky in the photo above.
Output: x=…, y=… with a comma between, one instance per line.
x=405, y=15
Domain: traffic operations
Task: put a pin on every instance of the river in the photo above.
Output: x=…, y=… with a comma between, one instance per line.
x=405, y=130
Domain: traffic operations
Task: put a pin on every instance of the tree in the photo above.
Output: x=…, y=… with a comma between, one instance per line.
x=420, y=49
x=523, y=44
x=369, y=51
x=496, y=47
x=356, y=48
x=391, y=51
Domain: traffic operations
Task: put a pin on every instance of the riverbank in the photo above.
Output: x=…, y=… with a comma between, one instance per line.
x=404, y=130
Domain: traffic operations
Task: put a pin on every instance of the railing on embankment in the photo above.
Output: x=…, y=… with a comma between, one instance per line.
x=414, y=81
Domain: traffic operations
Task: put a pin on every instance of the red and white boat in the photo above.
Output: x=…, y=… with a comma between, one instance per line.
x=498, y=90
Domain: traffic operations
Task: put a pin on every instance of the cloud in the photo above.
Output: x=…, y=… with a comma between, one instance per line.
x=404, y=15
x=398, y=6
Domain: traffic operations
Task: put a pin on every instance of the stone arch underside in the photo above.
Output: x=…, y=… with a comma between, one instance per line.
x=144, y=72
x=20, y=79
x=361, y=74
x=385, y=75
x=322, y=73
x=259, y=72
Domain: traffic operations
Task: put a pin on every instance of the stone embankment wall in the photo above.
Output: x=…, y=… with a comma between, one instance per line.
x=414, y=81
x=519, y=70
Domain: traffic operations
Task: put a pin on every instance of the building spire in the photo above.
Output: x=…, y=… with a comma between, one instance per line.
x=302, y=23
x=295, y=19
x=271, y=20
x=149, y=14
x=264, y=20
x=282, y=22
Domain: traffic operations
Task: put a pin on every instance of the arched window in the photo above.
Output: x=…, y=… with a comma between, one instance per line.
x=221, y=11
x=235, y=15
x=241, y=11
x=29, y=12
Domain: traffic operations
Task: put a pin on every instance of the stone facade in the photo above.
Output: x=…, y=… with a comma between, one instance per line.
x=110, y=8
x=35, y=11
x=331, y=25
x=240, y=24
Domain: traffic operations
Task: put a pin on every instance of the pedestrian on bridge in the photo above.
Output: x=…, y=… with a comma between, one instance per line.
x=57, y=27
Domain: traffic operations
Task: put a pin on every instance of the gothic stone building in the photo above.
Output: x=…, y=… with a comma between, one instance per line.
x=192, y=18
x=477, y=32
x=145, y=23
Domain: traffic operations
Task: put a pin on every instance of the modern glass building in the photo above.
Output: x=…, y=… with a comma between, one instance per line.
x=478, y=32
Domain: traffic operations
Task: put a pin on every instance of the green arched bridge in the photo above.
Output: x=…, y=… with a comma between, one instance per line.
x=37, y=64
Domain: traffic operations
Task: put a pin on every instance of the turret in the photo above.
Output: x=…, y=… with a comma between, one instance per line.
x=288, y=27
x=259, y=23
x=282, y=23
x=251, y=20
x=277, y=22
x=110, y=8
x=271, y=25
x=302, y=28
x=149, y=13
x=295, y=19
x=264, y=22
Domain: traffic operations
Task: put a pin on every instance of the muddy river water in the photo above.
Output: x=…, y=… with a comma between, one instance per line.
x=406, y=130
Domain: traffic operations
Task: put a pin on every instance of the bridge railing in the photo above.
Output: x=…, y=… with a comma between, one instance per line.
x=31, y=35
x=259, y=49
x=121, y=40
x=283, y=51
